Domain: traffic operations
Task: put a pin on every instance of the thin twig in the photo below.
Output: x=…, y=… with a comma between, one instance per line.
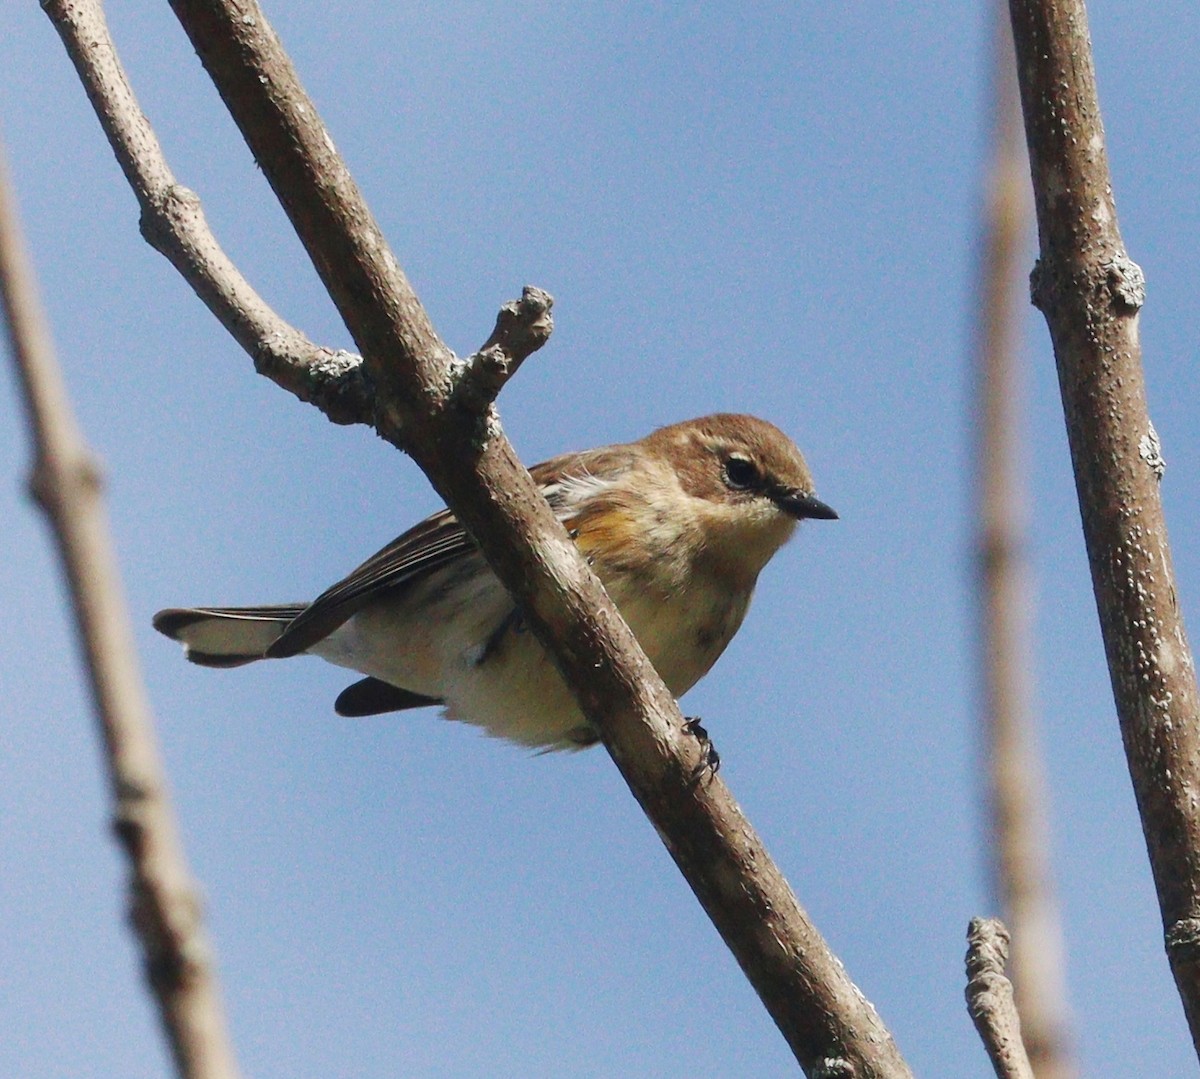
x=990, y=999
x=173, y=223
x=65, y=480
x=522, y=327
x=416, y=380
x=1019, y=847
x=1090, y=293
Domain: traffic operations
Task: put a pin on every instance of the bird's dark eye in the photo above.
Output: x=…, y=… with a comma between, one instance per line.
x=740, y=474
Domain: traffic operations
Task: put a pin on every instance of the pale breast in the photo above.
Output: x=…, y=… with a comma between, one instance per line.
x=683, y=634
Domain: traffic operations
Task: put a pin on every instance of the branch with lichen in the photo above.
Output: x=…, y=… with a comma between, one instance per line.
x=1090, y=292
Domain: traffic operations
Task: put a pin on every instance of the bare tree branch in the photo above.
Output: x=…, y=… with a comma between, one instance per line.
x=437, y=409
x=1019, y=848
x=164, y=907
x=1090, y=292
x=990, y=999
x=522, y=327
x=173, y=223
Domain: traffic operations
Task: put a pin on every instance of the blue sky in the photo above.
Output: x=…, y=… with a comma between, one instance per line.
x=769, y=211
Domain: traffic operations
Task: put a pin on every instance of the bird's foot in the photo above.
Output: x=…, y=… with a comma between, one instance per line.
x=710, y=759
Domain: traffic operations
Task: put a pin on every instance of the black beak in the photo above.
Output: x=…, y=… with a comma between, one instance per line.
x=802, y=505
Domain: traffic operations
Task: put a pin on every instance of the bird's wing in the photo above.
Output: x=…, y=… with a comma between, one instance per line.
x=436, y=542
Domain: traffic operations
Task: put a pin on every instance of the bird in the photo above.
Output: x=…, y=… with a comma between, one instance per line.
x=677, y=525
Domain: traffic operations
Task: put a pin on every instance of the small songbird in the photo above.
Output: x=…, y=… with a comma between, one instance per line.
x=677, y=525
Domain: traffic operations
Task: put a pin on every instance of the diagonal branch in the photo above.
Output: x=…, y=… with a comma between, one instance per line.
x=173, y=223
x=1090, y=293
x=164, y=906
x=418, y=394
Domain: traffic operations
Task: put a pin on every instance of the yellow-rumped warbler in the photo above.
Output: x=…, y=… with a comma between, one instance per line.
x=677, y=525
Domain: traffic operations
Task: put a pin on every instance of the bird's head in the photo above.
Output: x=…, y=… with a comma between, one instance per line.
x=745, y=481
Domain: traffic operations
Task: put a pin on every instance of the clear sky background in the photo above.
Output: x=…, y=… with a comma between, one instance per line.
x=769, y=209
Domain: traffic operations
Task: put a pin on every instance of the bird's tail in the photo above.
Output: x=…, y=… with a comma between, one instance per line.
x=225, y=636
